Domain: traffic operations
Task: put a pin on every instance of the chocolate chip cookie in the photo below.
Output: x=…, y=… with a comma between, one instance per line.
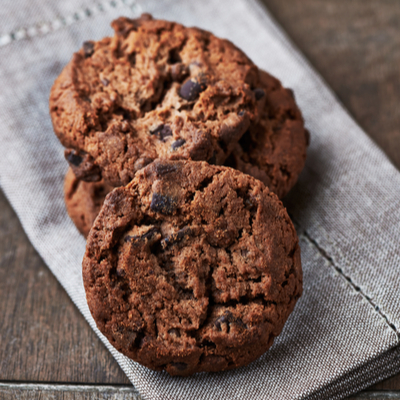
x=83, y=200
x=155, y=89
x=274, y=149
x=192, y=267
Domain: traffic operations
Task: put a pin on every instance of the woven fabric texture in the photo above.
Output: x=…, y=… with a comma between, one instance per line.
x=344, y=332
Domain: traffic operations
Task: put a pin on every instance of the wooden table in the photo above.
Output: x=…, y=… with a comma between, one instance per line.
x=47, y=350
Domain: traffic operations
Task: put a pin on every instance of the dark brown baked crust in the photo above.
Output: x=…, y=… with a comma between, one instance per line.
x=83, y=200
x=192, y=267
x=155, y=89
x=274, y=149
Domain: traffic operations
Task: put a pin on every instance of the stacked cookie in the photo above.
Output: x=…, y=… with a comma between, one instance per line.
x=192, y=263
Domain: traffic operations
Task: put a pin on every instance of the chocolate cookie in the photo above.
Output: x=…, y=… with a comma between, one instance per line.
x=274, y=149
x=192, y=267
x=83, y=200
x=155, y=89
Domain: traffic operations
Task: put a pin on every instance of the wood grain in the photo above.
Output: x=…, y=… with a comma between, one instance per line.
x=44, y=338
x=355, y=45
x=101, y=392
x=67, y=392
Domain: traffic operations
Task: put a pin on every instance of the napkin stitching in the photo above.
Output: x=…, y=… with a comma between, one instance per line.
x=61, y=22
x=339, y=270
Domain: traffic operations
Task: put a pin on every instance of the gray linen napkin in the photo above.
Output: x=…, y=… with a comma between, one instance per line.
x=344, y=332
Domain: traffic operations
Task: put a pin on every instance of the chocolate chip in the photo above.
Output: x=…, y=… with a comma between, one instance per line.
x=131, y=239
x=120, y=272
x=146, y=236
x=250, y=203
x=162, y=204
x=105, y=81
x=122, y=26
x=178, y=143
x=162, y=131
x=74, y=158
x=241, y=113
x=228, y=318
x=224, y=319
x=191, y=89
x=179, y=366
x=150, y=233
x=83, y=165
x=164, y=169
x=142, y=162
x=88, y=48
x=259, y=93
x=219, y=321
x=178, y=72
x=176, y=237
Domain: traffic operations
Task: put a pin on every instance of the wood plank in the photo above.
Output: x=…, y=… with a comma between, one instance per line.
x=392, y=383
x=43, y=335
x=103, y=392
x=67, y=392
x=376, y=395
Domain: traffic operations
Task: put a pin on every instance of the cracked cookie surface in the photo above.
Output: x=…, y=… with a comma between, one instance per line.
x=155, y=90
x=83, y=200
x=274, y=149
x=192, y=267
